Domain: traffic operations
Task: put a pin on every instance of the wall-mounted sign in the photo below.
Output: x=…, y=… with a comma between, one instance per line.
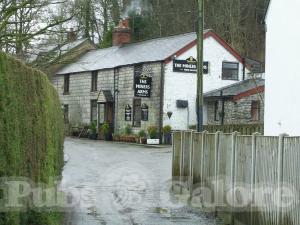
x=188, y=66
x=145, y=112
x=128, y=113
x=142, y=86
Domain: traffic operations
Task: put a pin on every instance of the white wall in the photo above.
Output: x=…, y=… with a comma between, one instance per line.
x=282, y=68
x=183, y=86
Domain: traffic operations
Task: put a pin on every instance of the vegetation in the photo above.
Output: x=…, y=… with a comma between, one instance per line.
x=31, y=134
x=105, y=128
x=128, y=130
x=142, y=134
x=167, y=129
x=153, y=132
x=93, y=128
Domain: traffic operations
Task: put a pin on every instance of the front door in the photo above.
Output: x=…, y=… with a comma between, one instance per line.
x=105, y=115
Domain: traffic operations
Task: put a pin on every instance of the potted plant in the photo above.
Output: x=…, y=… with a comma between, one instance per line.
x=105, y=128
x=153, y=133
x=93, y=135
x=167, y=130
x=142, y=137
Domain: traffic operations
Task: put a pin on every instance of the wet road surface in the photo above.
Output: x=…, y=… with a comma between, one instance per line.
x=122, y=184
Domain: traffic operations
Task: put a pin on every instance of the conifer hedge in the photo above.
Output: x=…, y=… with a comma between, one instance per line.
x=31, y=134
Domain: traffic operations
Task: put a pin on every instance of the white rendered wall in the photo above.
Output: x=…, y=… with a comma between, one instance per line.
x=282, y=113
x=183, y=86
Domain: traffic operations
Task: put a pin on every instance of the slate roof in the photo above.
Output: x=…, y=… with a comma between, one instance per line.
x=147, y=51
x=56, y=49
x=235, y=89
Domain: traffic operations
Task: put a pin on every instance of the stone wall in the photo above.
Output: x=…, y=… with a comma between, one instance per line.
x=236, y=112
x=80, y=96
x=125, y=96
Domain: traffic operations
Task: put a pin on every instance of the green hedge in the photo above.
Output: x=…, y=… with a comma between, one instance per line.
x=31, y=133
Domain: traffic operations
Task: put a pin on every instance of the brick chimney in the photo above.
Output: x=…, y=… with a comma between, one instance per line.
x=72, y=36
x=122, y=33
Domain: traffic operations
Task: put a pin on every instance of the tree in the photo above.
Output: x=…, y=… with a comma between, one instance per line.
x=21, y=21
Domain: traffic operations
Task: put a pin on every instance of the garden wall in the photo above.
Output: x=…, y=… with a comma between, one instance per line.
x=31, y=134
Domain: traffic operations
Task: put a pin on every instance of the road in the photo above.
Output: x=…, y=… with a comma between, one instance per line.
x=122, y=184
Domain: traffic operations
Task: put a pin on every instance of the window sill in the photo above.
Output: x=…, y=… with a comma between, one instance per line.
x=67, y=93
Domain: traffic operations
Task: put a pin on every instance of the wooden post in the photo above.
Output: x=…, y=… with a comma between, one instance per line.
x=280, y=176
x=233, y=159
x=191, y=183
x=253, y=165
x=217, y=142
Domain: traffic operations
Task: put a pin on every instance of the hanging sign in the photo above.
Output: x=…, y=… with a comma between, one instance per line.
x=142, y=86
x=188, y=66
x=128, y=113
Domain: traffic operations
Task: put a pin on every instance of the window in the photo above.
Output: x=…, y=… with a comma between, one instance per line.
x=255, y=110
x=66, y=114
x=67, y=84
x=216, y=111
x=138, y=69
x=94, y=106
x=145, y=112
x=137, y=112
x=230, y=71
x=94, y=81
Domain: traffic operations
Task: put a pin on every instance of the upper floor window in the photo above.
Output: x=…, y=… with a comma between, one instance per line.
x=67, y=84
x=94, y=81
x=255, y=110
x=230, y=71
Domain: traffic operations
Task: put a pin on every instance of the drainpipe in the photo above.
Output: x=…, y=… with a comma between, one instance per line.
x=244, y=68
x=223, y=108
x=162, y=89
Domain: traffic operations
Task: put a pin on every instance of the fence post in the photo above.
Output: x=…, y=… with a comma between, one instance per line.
x=253, y=171
x=202, y=154
x=233, y=158
x=280, y=176
x=191, y=183
x=217, y=142
x=181, y=159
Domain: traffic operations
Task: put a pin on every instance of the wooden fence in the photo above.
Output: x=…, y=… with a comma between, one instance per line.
x=255, y=164
x=244, y=129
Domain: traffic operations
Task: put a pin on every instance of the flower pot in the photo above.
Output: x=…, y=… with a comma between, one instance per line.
x=93, y=136
x=143, y=141
x=153, y=141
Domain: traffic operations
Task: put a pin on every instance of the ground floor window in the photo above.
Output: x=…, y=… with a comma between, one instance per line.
x=94, y=111
x=255, y=110
x=66, y=113
x=137, y=112
x=216, y=111
x=145, y=112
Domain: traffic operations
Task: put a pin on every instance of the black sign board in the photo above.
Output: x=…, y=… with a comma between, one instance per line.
x=188, y=66
x=142, y=86
x=128, y=113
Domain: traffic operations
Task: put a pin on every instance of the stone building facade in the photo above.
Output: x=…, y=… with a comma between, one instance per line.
x=119, y=83
x=237, y=106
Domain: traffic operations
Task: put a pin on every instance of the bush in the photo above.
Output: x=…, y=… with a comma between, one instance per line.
x=93, y=128
x=153, y=132
x=128, y=130
x=142, y=134
x=31, y=134
x=105, y=129
x=167, y=129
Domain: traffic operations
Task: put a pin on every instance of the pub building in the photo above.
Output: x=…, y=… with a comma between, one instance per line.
x=148, y=83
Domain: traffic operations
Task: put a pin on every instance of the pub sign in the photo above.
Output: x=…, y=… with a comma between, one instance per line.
x=188, y=66
x=143, y=86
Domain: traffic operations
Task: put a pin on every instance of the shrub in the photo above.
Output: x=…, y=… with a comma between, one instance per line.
x=142, y=134
x=128, y=130
x=152, y=131
x=167, y=129
x=31, y=134
x=105, y=129
x=93, y=128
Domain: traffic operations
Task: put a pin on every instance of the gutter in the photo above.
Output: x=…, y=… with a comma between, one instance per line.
x=162, y=90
